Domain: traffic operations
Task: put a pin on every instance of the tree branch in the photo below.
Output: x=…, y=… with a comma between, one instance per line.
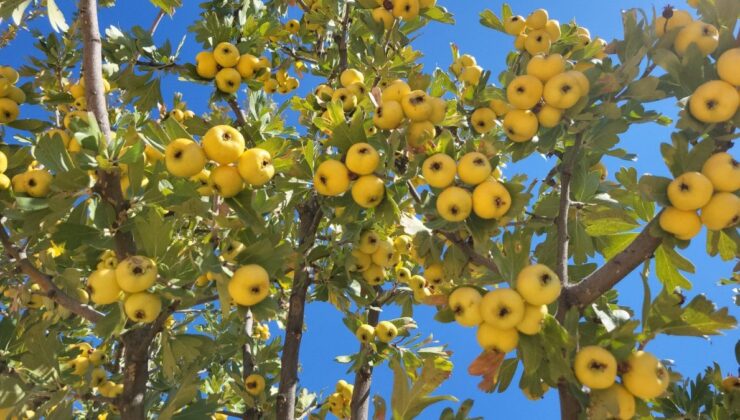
x=470, y=252
x=250, y=413
x=310, y=215
x=45, y=282
x=614, y=270
x=240, y=119
x=360, y=404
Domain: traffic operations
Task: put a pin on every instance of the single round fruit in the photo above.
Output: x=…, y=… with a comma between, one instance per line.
x=8, y=110
x=721, y=212
x=103, y=287
x=439, y=170
x=368, y=191
x=524, y=91
x=473, y=168
x=537, y=19
x=225, y=181
x=520, y=125
x=454, y=204
x=136, y=274
x=722, y=170
x=690, y=191
x=396, y=91
x=388, y=115
x=362, y=159
x=351, y=76
x=38, y=183
x=704, y=35
x=386, y=331
x=514, y=25
x=645, y=376
x=548, y=116
x=537, y=42
x=223, y=144
x=254, y=384
x=369, y=242
x=502, y=308
x=538, y=285
x=465, y=304
x=491, y=200
x=684, y=224
x=250, y=285
x=562, y=90
x=595, y=367
x=614, y=402
x=331, y=178
x=366, y=333
x=678, y=19
x=483, y=120
x=727, y=66
x=496, y=339
x=255, y=166
x=228, y=80
x=226, y=54
x=417, y=106
x=534, y=317
x=714, y=101
x=205, y=65
x=184, y=158
x=545, y=67
x=419, y=133
x=142, y=307
x=374, y=275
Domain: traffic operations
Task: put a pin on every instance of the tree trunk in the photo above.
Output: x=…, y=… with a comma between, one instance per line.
x=250, y=413
x=360, y=405
x=135, y=374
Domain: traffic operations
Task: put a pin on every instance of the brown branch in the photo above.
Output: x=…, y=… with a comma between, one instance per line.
x=250, y=413
x=470, y=252
x=360, y=404
x=614, y=270
x=45, y=282
x=240, y=118
x=310, y=215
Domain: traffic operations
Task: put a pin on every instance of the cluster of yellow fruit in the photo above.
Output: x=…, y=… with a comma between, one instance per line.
x=254, y=384
x=181, y=115
x=333, y=178
x=224, y=145
x=538, y=32
x=643, y=376
x=351, y=92
x=11, y=96
x=385, y=332
x=717, y=101
x=34, y=182
x=261, y=332
x=249, y=285
x=399, y=103
x=4, y=180
x=95, y=358
x=77, y=90
x=230, y=68
x=387, y=12
x=712, y=190
x=339, y=401
x=537, y=98
x=704, y=35
x=501, y=314
x=133, y=276
x=489, y=200
x=372, y=255
x=467, y=70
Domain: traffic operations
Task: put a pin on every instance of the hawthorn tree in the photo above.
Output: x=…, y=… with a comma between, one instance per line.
x=145, y=248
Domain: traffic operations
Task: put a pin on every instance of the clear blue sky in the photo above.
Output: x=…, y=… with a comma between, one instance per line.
x=327, y=337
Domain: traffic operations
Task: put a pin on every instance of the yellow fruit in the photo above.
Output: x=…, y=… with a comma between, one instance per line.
x=537, y=42
x=184, y=158
x=270, y=85
x=721, y=212
x=142, y=307
x=97, y=377
x=544, y=67
x=226, y=54
x=380, y=15
x=548, y=116
x=405, y=9
x=61, y=133
x=250, y=285
x=77, y=90
x=722, y=170
x=496, y=339
x=225, y=181
x=79, y=365
x=514, y=25
x=645, y=376
x=386, y=331
x=136, y=273
x=483, y=120
x=684, y=224
x=419, y=133
x=38, y=183
x=403, y=274
x=520, y=125
x=16, y=94
x=534, y=317
x=10, y=74
x=520, y=41
x=255, y=166
x=690, y=191
x=502, y=308
x=473, y=168
x=369, y=242
x=562, y=90
x=500, y=107
x=228, y=80
x=68, y=119
x=81, y=104
x=524, y=92
x=454, y=204
x=389, y=115
x=730, y=384
x=231, y=249
x=704, y=35
x=434, y=275
x=360, y=261
x=552, y=27
x=103, y=287
x=362, y=159
x=727, y=66
x=396, y=91
x=346, y=98
x=365, y=333
x=205, y=65
x=439, y=110
x=351, y=76
x=292, y=26
x=417, y=282
x=471, y=75
x=223, y=144
x=254, y=384
x=538, y=285
x=439, y=170
x=8, y=110
x=368, y=191
x=247, y=66
x=465, y=303
x=374, y=275
x=714, y=101
x=614, y=402
x=18, y=182
x=384, y=254
x=417, y=106
x=177, y=115
x=491, y=200
x=98, y=357
x=5, y=182
x=679, y=19
x=581, y=80
x=537, y=19
x=595, y=367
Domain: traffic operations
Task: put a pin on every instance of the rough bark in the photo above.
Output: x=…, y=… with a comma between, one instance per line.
x=310, y=217
x=248, y=362
x=360, y=405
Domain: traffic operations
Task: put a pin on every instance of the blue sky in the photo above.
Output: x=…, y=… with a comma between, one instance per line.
x=326, y=336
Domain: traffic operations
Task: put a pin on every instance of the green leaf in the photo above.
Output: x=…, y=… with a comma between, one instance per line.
x=111, y=324
x=409, y=401
x=608, y=226
x=489, y=19
x=700, y=317
x=153, y=233
x=56, y=18
x=653, y=188
x=666, y=270
x=181, y=395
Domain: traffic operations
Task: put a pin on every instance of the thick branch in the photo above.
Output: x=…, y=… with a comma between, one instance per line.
x=93, y=65
x=360, y=405
x=614, y=270
x=310, y=216
x=248, y=360
x=45, y=282
x=238, y=113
